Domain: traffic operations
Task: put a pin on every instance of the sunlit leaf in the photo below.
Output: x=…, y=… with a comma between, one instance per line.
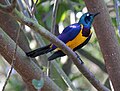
x=63, y=16
x=37, y=1
x=114, y=21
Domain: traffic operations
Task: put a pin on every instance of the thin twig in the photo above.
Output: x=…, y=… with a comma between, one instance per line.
x=64, y=76
x=13, y=60
x=54, y=13
x=34, y=7
x=48, y=68
x=28, y=8
x=55, y=7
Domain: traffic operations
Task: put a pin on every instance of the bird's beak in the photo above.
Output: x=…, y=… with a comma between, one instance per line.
x=96, y=14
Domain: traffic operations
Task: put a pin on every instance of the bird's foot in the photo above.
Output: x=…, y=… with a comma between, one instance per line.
x=79, y=58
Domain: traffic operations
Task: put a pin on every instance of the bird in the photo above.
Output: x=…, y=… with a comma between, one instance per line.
x=74, y=36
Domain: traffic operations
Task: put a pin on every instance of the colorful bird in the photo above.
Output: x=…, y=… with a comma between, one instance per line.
x=74, y=36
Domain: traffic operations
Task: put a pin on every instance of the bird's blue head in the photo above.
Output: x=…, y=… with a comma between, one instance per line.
x=87, y=19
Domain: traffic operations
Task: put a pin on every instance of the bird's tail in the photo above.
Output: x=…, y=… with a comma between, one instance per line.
x=39, y=51
x=55, y=55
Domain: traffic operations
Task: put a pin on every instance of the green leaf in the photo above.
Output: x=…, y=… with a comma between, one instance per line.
x=43, y=7
x=38, y=84
x=62, y=11
x=37, y=1
x=42, y=10
x=114, y=21
x=48, y=21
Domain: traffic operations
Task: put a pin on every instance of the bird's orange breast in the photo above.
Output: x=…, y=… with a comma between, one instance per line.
x=78, y=40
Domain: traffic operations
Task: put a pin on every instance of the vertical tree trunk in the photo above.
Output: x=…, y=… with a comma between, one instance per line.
x=107, y=39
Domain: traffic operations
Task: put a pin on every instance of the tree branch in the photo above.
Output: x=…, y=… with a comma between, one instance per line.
x=24, y=66
x=12, y=28
x=93, y=59
x=41, y=30
x=13, y=60
x=9, y=8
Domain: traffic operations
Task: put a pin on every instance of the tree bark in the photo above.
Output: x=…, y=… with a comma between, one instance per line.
x=24, y=66
x=107, y=39
x=10, y=26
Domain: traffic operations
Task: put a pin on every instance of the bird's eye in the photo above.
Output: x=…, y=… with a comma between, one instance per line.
x=87, y=18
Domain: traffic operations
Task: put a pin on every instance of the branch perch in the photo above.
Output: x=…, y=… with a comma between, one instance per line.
x=41, y=30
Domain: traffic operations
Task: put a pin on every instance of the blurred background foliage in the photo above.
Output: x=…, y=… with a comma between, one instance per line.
x=69, y=12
